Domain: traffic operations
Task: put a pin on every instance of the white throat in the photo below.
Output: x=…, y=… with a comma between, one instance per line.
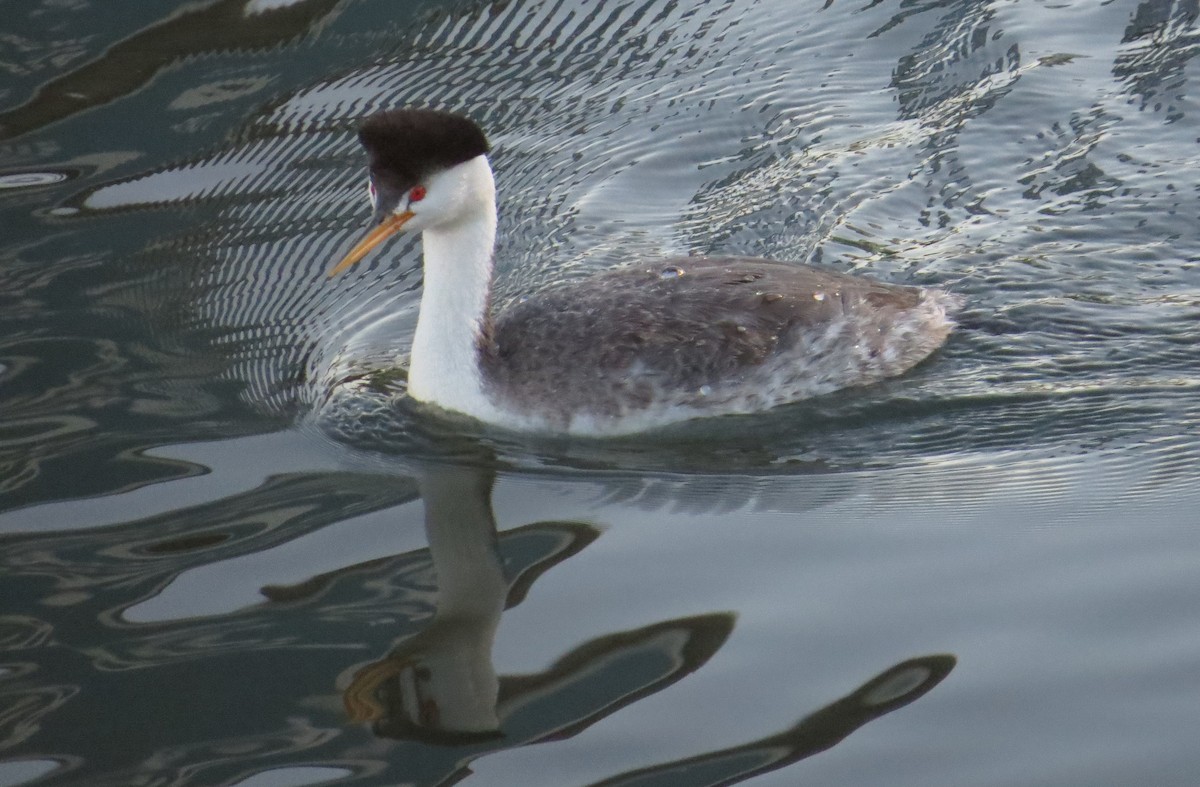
x=444, y=369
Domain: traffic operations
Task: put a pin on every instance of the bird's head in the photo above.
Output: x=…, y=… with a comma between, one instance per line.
x=425, y=169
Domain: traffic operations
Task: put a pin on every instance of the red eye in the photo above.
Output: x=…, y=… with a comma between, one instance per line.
x=417, y=194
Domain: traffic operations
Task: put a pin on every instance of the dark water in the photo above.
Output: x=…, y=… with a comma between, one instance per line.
x=232, y=554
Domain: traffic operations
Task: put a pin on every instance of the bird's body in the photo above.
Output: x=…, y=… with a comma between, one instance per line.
x=630, y=349
x=704, y=336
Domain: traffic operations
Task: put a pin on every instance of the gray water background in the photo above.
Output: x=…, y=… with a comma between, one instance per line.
x=211, y=483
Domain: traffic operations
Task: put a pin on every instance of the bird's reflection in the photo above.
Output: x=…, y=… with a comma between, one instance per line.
x=441, y=683
x=439, y=687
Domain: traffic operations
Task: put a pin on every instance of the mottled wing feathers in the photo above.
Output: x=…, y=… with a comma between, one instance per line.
x=686, y=324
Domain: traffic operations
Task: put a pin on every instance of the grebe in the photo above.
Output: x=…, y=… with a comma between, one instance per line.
x=627, y=350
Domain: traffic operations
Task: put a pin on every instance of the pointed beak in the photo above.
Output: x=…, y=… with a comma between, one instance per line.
x=386, y=228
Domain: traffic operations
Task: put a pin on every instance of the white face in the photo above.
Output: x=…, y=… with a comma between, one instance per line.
x=449, y=196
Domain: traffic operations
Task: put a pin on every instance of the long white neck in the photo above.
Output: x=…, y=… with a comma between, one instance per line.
x=444, y=368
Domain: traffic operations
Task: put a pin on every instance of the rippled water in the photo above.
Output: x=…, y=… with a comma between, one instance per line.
x=231, y=552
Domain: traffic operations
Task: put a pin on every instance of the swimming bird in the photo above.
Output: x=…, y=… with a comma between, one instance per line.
x=626, y=350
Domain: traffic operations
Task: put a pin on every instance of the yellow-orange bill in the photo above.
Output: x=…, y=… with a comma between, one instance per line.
x=390, y=226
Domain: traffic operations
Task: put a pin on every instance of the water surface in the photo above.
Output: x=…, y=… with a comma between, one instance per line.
x=233, y=553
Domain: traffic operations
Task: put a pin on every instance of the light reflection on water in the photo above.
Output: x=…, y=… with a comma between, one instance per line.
x=219, y=540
